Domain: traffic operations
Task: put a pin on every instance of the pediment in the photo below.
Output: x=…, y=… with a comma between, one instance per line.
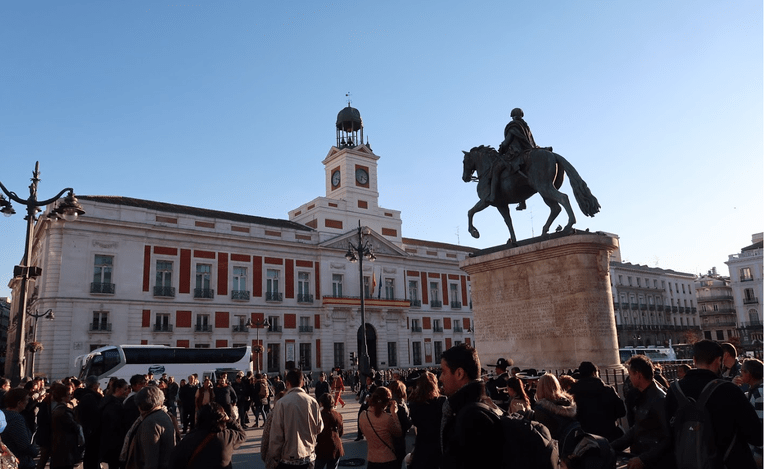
x=382, y=246
x=360, y=150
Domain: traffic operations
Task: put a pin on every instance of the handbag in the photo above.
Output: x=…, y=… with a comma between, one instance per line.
x=8, y=461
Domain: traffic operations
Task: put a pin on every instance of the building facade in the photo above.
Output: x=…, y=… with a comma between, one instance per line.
x=746, y=284
x=716, y=307
x=653, y=306
x=134, y=271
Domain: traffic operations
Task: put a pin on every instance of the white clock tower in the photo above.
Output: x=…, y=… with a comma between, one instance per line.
x=352, y=194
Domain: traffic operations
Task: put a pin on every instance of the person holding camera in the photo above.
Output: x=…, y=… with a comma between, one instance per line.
x=380, y=424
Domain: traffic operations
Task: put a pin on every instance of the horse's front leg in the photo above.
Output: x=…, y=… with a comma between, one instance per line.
x=478, y=207
x=504, y=210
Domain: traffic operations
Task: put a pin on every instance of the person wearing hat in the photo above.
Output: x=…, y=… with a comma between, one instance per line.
x=496, y=387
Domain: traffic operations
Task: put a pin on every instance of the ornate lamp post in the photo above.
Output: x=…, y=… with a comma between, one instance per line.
x=68, y=209
x=356, y=253
x=258, y=348
x=34, y=346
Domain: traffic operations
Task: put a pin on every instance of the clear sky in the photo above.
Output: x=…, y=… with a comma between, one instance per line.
x=231, y=105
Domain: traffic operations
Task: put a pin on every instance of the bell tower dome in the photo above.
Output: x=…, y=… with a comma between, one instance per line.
x=349, y=128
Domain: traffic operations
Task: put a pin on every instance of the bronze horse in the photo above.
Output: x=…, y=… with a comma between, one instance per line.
x=545, y=172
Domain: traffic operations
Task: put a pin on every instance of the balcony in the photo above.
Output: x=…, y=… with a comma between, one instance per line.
x=274, y=296
x=240, y=328
x=437, y=328
x=458, y=328
x=750, y=301
x=274, y=328
x=667, y=308
x=651, y=307
x=207, y=293
x=750, y=325
x=306, y=329
x=203, y=328
x=416, y=328
x=304, y=298
x=675, y=309
x=718, y=312
x=722, y=323
x=634, y=306
x=165, y=292
x=624, y=305
x=746, y=279
x=681, y=309
x=436, y=304
x=416, y=303
x=456, y=305
x=102, y=288
x=241, y=295
x=643, y=307
x=710, y=298
x=162, y=327
x=100, y=327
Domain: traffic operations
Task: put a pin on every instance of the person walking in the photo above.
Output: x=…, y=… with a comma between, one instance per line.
x=329, y=447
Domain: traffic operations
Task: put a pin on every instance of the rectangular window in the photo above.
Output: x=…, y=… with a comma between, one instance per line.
x=240, y=285
x=274, y=324
x=745, y=274
x=437, y=326
x=438, y=349
x=305, y=359
x=102, y=269
x=303, y=288
x=416, y=352
x=337, y=285
x=367, y=286
x=203, y=323
x=719, y=335
x=305, y=324
x=434, y=296
x=392, y=354
x=100, y=321
x=162, y=323
x=339, y=355
x=203, y=279
x=201, y=345
x=389, y=289
x=639, y=282
x=163, y=286
x=413, y=290
x=272, y=285
x=274, y=358
x=454, y=295
x=620, y=280
x=416, y=326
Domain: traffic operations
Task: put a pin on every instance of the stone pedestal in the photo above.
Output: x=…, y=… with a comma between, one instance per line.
x=546, y=305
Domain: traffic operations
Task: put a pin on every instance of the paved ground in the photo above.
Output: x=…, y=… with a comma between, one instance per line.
x=248, y=455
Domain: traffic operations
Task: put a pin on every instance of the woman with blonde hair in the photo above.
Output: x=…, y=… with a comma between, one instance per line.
x=554, y=407
x=380, y=428
x=426, y=414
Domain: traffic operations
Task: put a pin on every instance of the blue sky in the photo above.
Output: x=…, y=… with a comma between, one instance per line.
x=231, y=106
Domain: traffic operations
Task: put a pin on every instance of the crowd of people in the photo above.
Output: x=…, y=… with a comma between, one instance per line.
x=456, y=412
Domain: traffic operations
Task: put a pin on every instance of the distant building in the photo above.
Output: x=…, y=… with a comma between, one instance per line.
x=653, y=306
x=5, y=316
x=746, y=284
x=716, y=305
x=134, y=271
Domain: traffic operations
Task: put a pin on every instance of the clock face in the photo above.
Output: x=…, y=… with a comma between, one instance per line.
x=336, y=178
x=361, y=176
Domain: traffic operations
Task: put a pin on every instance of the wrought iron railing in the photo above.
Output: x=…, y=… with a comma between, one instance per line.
x=168, y=292
x=274, y=296
x=239, y=294
x=204, y=293
x=105, y=288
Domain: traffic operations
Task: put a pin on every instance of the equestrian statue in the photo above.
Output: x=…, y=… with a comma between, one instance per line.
x=520, y=169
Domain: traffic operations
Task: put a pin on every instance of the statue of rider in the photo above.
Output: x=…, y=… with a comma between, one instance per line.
x=518, y=140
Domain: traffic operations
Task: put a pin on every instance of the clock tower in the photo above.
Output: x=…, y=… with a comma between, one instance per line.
x=350, y=174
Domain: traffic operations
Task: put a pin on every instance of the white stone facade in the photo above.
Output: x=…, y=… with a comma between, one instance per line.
x=746, y=283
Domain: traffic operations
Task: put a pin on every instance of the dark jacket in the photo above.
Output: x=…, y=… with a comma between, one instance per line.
x=599, y=407
x=225, y=396
x=64, y=449
x=650, y=436
x=322, y=387
x=559, y=417
x=731, y=414
x=186, y=395
x=18, y=439
x=426, y=416
x=113, y=429
x=328, y=442
x=469, y=438
x=87, y=412
x=216, y=453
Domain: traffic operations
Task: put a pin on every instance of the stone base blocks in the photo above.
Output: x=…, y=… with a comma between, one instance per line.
x=547, y=305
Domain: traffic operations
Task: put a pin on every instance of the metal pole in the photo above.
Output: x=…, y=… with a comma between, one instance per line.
x=364, y=347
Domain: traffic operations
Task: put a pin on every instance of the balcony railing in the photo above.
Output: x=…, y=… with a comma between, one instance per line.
x=167, y=292
x=274, y=328
x=723, y=323
x=304, y=298
x=715, y=298
x=643, y=307
x=718, y=312
x=416, y=303
x=750, y=301
x=458, y=328
x=437, y=328
x=436, y=304
x=240, y=295
x=162, y=327
x=104, y=288
x=240, y=328
x=456, y=305
x=274, y=296
x=203, y=328
x=306, y=329
x=746, y=279
x=651, y=307
x=634, y=305
x=416, y=328
x=681, y=309
x=750, y=325
x=204, y=293
x=100, y=327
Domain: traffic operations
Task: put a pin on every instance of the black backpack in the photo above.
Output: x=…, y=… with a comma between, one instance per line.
x=694, y=439
x=527, y=443
x=582, y=450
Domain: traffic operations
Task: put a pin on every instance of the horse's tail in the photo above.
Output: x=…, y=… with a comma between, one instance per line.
x=586, y=200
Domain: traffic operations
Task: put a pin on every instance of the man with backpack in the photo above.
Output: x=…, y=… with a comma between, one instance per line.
x=711, y=419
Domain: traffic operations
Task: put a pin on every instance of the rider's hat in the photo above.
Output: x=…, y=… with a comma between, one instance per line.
x=516, y=112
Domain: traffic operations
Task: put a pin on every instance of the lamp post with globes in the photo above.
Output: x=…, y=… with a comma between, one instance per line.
x=356, y=253
x=259, y=347
x=68, y=209
x=37, y=315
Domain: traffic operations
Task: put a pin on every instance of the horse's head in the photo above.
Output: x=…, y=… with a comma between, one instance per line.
x=469, y=166
x=478, y=159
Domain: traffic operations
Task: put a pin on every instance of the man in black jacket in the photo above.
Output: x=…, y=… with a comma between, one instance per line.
x=734, y=420
x=599, y=406
x=87, y=416
x=468, y=436
x=186, y=396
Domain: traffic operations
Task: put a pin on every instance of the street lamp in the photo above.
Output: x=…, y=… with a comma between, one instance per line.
x=356, y=253
x=68, y=209
x=258, y=348
x=37, y=315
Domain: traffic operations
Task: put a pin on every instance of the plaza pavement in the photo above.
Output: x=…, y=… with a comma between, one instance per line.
x=248, y=455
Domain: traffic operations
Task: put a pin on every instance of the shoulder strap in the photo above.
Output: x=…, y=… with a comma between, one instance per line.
x=375, y=432
x=681, y=398
x=708, y=390
x=201, y=446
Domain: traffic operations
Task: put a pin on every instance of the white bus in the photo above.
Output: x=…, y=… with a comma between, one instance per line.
x=124, y=361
